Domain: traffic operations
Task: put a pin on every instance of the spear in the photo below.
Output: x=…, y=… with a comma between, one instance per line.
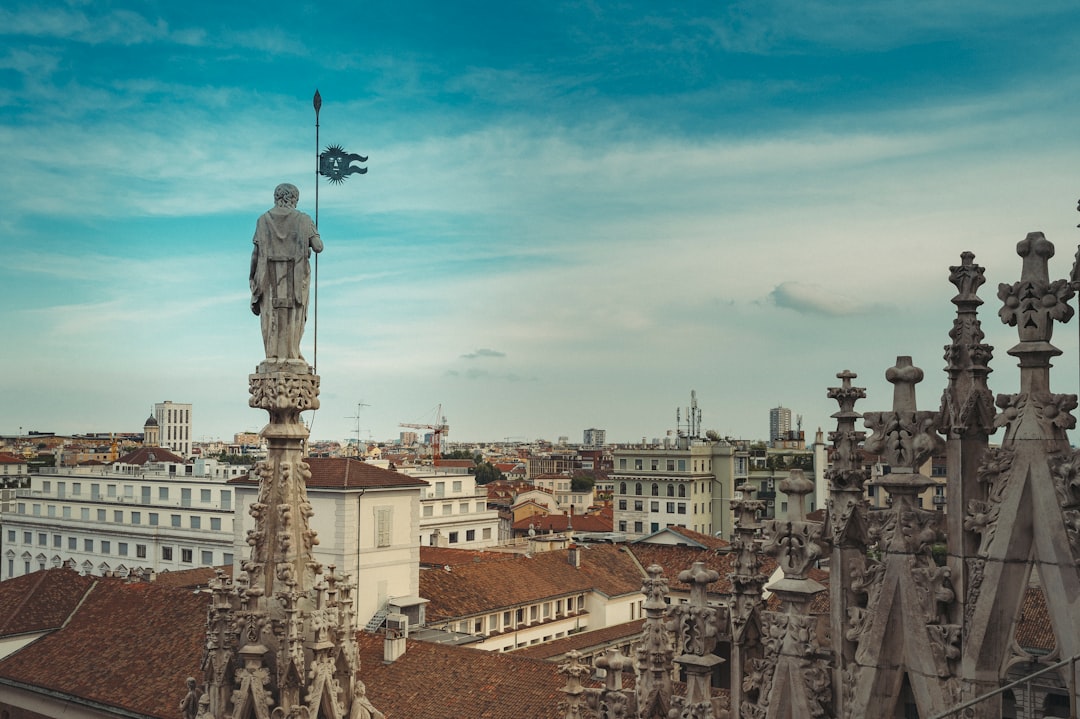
x=317, y=103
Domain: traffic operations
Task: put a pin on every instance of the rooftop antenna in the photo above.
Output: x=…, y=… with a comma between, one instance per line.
x=359, y=404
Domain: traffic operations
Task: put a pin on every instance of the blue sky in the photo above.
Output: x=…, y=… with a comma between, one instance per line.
x=576, y=212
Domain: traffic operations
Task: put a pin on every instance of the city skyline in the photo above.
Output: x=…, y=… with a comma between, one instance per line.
x=574, y=215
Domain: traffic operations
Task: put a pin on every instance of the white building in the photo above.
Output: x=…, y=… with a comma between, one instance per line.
x=690, y=485
x=174, y=426
x=136, y=514
x=454, y=511
x=560, y=486
x=367, y=522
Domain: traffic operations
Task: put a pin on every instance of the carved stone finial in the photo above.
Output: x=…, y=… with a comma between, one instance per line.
x=1033, y=304
x=905, y=437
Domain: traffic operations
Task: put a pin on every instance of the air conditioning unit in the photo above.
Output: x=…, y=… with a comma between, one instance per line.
x=397, y=626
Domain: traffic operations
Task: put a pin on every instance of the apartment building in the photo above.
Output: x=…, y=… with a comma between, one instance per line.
x=691, y=484
x=135, y=515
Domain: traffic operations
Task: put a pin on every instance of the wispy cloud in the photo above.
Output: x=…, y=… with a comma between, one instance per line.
x=814, y=299
x=482, y=352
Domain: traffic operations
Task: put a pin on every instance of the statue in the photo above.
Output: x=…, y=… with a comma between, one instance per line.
x=280, y=273
x=189, y=705
x=361, y=705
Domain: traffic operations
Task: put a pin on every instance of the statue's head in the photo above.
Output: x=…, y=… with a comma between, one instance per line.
x=286, y=195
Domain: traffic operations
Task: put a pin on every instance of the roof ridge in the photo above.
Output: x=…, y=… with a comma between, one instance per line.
x=25, y=599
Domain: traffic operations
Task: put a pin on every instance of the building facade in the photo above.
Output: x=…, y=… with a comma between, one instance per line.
x=121, y=519
x=454, y=511
x=594, y=438
x=691, y=484
x=779, y=423
x=174, y=426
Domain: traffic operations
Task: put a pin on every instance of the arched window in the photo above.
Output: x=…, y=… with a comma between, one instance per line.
x=682, y=490
x=655, y=489
x=671, y=490
x=622, y=487
x=637, y=488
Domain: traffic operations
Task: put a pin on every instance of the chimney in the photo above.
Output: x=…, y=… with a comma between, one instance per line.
x=397, y=629
x=574, y=556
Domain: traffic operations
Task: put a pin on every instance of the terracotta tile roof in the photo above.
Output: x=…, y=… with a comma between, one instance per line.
x=348, y=473
x=511, y=580
x=1033, y=628
x=40, y=601
x=145, y=455
x=197, y=578
x=485, y=685
x=133, y=646
x=443, y=556
x=6, y=458
x=558, y=522
x=461, y=463
x=583, y=641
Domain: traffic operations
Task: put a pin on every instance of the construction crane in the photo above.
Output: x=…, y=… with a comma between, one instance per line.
x=437, y=430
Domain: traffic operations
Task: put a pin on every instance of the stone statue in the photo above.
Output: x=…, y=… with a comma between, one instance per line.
x=189, y=705
x=280, y=273
x=362, y=707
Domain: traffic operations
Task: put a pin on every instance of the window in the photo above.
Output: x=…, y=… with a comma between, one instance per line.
x=227, y=559
x=447, y=509
x=463, y=508
x=11, y=535
x=153, y=519
x=163, y=494
x=204, y=496
x=84, y=514
x=196, y=522
x=637, y=527
x=140, y=551
x=207, y=558
x=136, y=518
x=622, y=463
x=28, y=537
x=682, y=465
x=654, y=506
x=66, y=512
x=186, y=555
x=655, y=489
x=106, y=546
x=622, y=526
x=486, y=533
x=88, y=545
x=118, y=516
x=470, y=535
x=166, y=554
x=73, y=543
x=51, y=510
x=215, y=524
x=36, y=510
x=46, y=486
x=428, y=510
x=185, y=497
x=622, y=487
x=95, y=491
x=654, y=527
x=121, y=549
x=110, y=490
x=57, y=542
x=637, y=488
x=481, y=506
x=76, y=488
x=456, y=486
x=671, y=508
x=682, y=507
x=639, y=506
x=682, y=490
x=453, y=537
x=42, y=539
x=655, y=465
x=383, y=526
x=671, y=465
x=175, y=520
x=622, y=504
x=637, y=464
x=101, y=515
x=671, y=490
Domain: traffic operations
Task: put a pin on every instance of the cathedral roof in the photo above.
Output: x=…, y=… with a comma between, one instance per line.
x=348, y=473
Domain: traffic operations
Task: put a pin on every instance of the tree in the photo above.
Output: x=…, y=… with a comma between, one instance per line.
x=487, y=472
x=582, y=481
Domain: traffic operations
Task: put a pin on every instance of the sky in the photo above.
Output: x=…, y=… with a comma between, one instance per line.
x=575, y=214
